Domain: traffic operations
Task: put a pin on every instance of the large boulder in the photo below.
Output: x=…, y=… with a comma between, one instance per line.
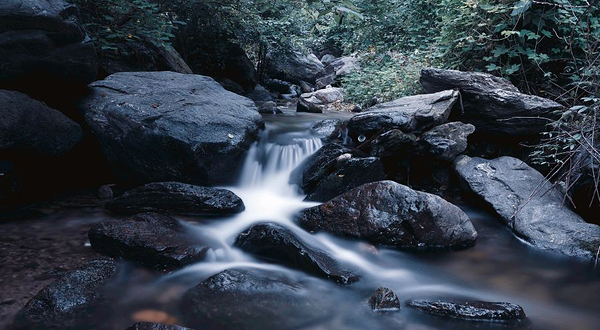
x=246, y=298
x=294, y=67
x=320, y=100
x=69, y=302
x=166, y=126
x=410, y=114
x=392, y=214
x=276, y=243
x=43, y=47
x=530, y=205
x=492, y=104
x=150, y=239
x=320, y=164
x=471, y=310
x=30, y=126
x=177, y=198
x=446, y=141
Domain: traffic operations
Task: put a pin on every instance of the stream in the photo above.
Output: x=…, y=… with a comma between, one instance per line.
x=556, y=292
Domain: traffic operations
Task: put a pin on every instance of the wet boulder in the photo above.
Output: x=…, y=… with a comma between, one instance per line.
x=260, y=94
x=321, y=163
x=69, y=302
x=471, y=310
x=269, y=108
x=530, y=205
x=44, y=47
x=30, y=126
x=384, y=300
x=411, y=114
x=348, y=174
x=166, y=126
x=177, y=198
x=320, y=100
x=276, y=243
x=327, y=129
x=393, y=143
x=245, y=298
x=150, y=239
x=492, y=104
x=388, y=213
x=294, y=67
x=155, y=326
x=446, y=141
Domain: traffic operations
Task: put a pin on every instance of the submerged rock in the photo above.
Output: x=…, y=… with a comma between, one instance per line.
x=69, y=302
x=247, y=298
x=277, y=243
x=446, y=141
x=389, y=213
x=350, y=173
x=384, y=300
x=30, y=126
x=155, y=326
x=177, y=198
x=166, y=126
x=492, y=104
x=530, y=205
x=151, y=239
x=471, y=310
x=409, y=114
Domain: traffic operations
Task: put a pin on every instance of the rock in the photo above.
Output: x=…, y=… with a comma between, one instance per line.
x=155, y=326
x=245, y=298
x=392, y=214
x=105, y=192
x=384, y=300
x=260, y=94
x=177, y=198
x=410, y=114
x=279, y=86
x=269, y=108
x=43, y=47
x=306, y=87
x=530, y=205
x=279, y=244
x=30, y=126
x=320, y=100
x=320, y=164
x=9, y=183
x=582, y=179
x=69, y=302
x=335, y=70
x=446, y=141
x=393, y=143
x=493, y=104
x=349, y=174
x=471, y=310
x=294, y=67
x=239, y=68
x=327, y=59
x=166, y=126
x=150, y=239
x=326, y=129
x=231, y=86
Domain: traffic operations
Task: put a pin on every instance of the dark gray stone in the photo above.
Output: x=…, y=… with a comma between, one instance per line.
x=384, y=300
x=410, y=114
x=247, y=298
x=155, y=326
x=320, y=164
x=43, y=45
x=150, y=239
x=28, y=125
x=530, y=205
x=326, y=129
x=393, y=143
x=294, y=67
x=269, y=108
x=177, y=198
x=471, y=310
x=446, y=141
x=493, y=104
x=279, y=244
x=392, y=214
x=166, y=126
x=70, y=301
x=260, y=94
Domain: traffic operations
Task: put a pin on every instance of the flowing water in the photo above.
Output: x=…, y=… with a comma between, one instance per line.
x=556, y=292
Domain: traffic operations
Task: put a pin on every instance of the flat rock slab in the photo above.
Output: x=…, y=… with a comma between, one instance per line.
x=177, y=198
x=247, y=298
x=167, y=126
x=388, y=213
x=471, y=310
x=150, y=239
x=30, y=126
x=384, y=300
x=70, y=301
x=530, y=205
x=279, y=244
x=409, y=114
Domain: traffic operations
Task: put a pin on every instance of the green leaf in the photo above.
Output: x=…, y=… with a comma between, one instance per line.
x=521, y=7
